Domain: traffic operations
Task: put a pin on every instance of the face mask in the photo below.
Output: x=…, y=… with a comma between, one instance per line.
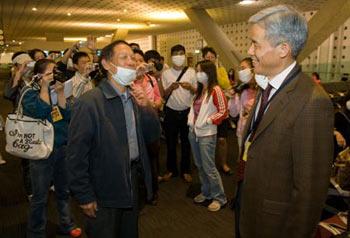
x=245, y=75
x=261, y=80
x=348, y=105
x=202, y=77
x=178, y=60
x=124, y=76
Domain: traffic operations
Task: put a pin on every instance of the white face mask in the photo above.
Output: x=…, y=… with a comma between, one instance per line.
x=124, y=76
x=261, y=80
x=202, y=78
x=245, y=75
x=178, y=60
x=348, y=105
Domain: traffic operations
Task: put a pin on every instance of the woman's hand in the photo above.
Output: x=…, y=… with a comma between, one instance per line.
x=59, y=87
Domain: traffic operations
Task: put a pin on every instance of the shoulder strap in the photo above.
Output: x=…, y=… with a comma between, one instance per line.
x=150, y=80
x=19, y=110
x=181, y=74
x=177, y=80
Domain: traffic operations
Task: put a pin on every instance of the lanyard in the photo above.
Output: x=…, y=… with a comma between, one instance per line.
x=256, y=121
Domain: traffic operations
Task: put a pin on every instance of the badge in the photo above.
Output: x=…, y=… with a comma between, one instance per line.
x=56, y=114
x=246, y=148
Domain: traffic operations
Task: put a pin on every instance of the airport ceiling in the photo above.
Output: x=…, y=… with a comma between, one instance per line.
x=36, y=19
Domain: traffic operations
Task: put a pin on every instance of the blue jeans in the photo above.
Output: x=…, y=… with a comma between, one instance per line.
x=203, y=149
x=43, y=172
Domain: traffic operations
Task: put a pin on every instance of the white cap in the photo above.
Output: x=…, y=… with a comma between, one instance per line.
x=21, y=59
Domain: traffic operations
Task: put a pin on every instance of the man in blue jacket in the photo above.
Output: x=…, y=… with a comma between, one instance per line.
x=106, y=149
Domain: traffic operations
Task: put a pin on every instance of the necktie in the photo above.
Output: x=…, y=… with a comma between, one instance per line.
x=263, y=104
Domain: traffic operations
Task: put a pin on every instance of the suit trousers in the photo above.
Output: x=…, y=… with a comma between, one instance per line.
x=117, y=222
x=175, y=122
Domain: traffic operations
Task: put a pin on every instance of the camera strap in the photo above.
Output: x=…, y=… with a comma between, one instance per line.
x=177, y=80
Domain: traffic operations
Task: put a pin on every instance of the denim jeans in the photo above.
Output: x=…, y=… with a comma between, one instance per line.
x=203, y=149
x=43, y=172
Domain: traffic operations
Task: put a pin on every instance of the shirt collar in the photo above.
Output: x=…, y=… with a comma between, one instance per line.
x=109, y=91
x=124, y=95
x=277, y=81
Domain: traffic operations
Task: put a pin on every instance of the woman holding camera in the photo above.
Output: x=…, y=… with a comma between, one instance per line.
x=207, y=111
x=37, y=104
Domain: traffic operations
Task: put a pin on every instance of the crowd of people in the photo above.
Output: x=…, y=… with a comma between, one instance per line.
x=108, y=131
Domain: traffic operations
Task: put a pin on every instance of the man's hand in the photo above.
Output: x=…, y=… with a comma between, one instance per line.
x=140, y=96
x=340, y=139
x=89, y=209
x=188, y=86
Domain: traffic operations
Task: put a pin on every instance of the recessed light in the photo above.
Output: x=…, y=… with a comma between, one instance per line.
x=247, y=2
x=34, y=9
x=7, y=45
x=118, y=20
x=20, y=43
x=13, y=41
x=69, y=14
x=125, y=10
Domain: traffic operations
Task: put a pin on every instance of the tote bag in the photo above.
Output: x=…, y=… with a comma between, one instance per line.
x=27, y=137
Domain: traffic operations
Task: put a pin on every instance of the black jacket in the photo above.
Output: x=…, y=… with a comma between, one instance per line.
x=98, y=152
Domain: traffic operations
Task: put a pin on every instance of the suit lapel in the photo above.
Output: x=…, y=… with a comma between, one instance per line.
x=278, y=103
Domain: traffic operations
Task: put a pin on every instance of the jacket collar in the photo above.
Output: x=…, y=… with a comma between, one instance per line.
x=276, y=106
x=109, y=91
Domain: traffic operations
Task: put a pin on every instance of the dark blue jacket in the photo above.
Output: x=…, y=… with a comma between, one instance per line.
x=34, y=107
x=98, y=153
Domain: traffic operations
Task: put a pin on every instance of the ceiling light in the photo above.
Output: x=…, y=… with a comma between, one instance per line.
x=125, y=10
x=7, y=45
x=69, y=14
x=20, y=43
x=74, y=39
x=13, y=41
x=34, y=9
x=247, y=2
x=118, y=20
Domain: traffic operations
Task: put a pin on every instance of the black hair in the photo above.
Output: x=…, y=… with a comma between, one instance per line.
x=152, y=54
x=33, y=51
x=249, y=61
x=79, y=55
x=107, y=54
x=134, y=44
x=17, y=54
x=140, y=52
x=41, y=65
x=176, y=48
x=316, y=75
x=209, y=68
x=207, y=49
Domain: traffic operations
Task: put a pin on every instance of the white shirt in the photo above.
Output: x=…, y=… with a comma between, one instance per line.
x=276, y=83
x=81, y=84
x=180, y=99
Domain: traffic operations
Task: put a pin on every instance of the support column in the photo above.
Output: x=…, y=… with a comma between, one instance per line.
x=327, y=20
x=214, y=36
x=120, y=34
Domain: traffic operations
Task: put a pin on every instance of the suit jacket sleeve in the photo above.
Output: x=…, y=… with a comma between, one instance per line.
x=312, y=152
x=80, y=140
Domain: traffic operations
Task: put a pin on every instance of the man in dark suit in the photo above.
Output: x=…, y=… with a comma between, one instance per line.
x=288, y=138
